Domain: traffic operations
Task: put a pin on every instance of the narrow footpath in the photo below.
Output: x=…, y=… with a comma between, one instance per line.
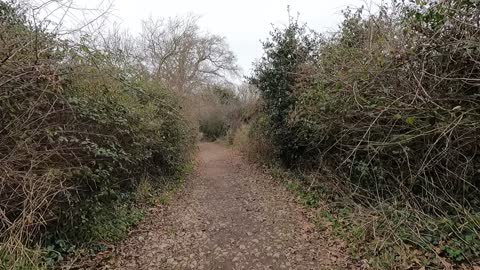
x=229, y=216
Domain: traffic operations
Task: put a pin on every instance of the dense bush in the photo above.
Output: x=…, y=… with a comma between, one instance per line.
x=220, y=111
x=389, y=102
x=392, y=100
x=214, y=126
x=77, y=134
x=275, y=77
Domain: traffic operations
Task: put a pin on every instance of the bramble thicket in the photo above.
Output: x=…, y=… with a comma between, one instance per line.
x=387, y=108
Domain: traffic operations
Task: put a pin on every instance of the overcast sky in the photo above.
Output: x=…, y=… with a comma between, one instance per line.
x=243, y=22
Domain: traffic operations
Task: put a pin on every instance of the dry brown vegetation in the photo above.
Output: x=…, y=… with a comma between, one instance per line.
x=377, y=125
x=388, y=107
x=89, y=129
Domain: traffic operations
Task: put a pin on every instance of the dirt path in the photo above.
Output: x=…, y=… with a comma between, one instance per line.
x=230, y=216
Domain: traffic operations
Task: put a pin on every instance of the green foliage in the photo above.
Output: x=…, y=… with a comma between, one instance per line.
x=387, y=236
x=275, y=77
x=79, y=133
x=213, y=127
x=366, y=108
x=113, y=224
x=389, y=104
x=27, y=261
x=12, y=15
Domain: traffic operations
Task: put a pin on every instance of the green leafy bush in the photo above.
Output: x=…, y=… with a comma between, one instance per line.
x=78, y=133
x=275, y=76
x=389, y=103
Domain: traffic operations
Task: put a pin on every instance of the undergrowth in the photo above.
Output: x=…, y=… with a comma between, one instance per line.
x=380, y=121
x=110, y=225
x=84, y=142
x=387, y=236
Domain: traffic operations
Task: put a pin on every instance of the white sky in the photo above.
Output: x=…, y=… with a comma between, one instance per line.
x=243, y=22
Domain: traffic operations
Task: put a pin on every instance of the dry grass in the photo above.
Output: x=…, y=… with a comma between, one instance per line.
x=255, y=148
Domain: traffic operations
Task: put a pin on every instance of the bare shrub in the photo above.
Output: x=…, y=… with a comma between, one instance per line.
x=254, y=146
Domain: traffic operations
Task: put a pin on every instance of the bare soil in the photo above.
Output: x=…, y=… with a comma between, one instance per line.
x=229, y=216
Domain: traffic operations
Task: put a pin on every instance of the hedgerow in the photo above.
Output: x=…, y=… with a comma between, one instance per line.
x=78, y=133
x=390, y=105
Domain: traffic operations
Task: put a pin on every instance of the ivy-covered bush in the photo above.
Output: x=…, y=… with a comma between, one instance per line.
x=77, y=133
x=275, y=76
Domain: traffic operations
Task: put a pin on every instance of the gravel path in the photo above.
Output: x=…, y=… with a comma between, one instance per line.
x=230, y=216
